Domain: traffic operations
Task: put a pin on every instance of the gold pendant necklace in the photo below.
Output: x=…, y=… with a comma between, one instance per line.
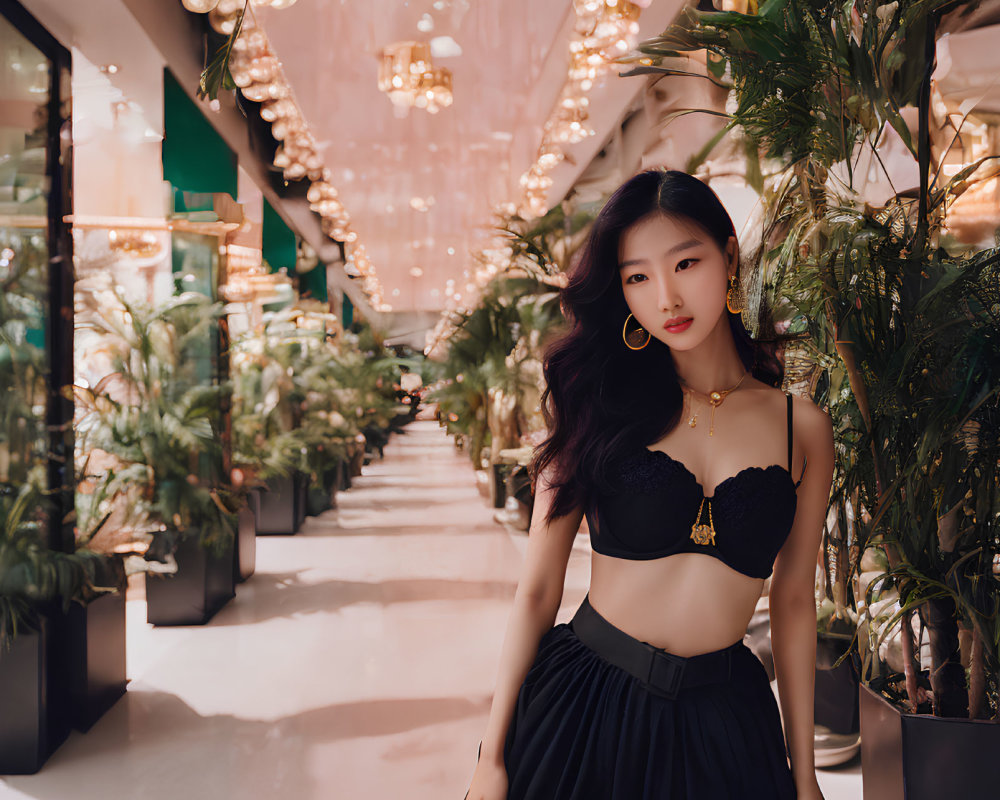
x=693, y=419
x=715, y=400
x=700, y=532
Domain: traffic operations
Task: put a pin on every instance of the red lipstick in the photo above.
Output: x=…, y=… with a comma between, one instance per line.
x=678, y=324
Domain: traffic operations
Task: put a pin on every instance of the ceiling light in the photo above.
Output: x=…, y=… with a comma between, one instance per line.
x=200, y=6
x=406, y=73
x=445, y=47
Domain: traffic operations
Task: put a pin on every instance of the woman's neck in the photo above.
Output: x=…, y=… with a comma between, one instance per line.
x=714, y=365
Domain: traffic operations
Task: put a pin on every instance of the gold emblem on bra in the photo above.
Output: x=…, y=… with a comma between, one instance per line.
x=700, y=532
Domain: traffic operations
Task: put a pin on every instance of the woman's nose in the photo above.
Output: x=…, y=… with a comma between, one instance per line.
x=668, y=297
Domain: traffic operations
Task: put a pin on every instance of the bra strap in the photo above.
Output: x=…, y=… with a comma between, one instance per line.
x=789, y=432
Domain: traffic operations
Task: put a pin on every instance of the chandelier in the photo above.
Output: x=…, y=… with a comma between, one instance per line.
x=408, y=76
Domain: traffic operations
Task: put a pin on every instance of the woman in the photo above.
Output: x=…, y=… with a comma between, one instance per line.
x=656, y=393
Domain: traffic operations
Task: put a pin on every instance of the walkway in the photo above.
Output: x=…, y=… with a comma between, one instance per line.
x=358, y=661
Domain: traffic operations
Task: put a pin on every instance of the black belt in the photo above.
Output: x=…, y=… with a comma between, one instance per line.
x=662, y=673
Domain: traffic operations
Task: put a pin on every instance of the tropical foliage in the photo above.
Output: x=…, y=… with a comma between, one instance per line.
x=32, y=575
x=491, y=372
x=304, y=402
x=153, y=423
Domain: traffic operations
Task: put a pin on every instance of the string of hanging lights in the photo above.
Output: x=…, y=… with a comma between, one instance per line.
x=604, y=30
x=205, y=6
x=258, y=74
x=493, y=258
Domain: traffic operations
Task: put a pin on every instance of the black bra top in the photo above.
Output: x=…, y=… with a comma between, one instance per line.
x=652, y=513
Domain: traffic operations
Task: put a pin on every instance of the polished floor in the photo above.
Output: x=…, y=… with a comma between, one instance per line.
x=358, y=662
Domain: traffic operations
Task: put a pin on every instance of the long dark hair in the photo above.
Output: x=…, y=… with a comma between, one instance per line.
x=601, y=399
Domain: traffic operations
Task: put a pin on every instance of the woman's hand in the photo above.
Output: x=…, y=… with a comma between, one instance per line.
x=489, y=781
x=809, y=790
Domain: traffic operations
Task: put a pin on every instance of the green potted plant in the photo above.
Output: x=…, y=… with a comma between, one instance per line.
x=97, y=624
x=266, y=435
x=369, y=368
x=542, y=250
x=483, y=384
x=164, y=436
x=38, y=587
x=328, y=433
x=41, y=574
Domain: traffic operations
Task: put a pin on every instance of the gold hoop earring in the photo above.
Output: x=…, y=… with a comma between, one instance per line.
x=731, y=297
x=632, y=334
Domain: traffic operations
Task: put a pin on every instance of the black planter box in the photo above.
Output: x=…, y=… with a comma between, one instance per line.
x=334, y=480
x=279, y=508
x=96, y=663
x=498, y=484
x=317, y=501
x=245, y=551
x=345, y=475
x=836, y=694
x=301, y=483
x=24, y=735
x=922, y=757
x=355, y=463
x=321, y=495
x=201, y=586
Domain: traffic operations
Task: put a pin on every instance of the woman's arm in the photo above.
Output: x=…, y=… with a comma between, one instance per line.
x=791, y=596
x=536, y=603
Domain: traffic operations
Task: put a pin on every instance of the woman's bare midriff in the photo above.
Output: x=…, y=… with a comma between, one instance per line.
x=686, y=603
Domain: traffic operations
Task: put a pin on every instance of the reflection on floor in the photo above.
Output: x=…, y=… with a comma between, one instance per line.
x=358, y=661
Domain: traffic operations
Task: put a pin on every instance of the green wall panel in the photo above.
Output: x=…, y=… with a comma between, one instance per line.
x=347, y=316
x=279, y=245
x=195, y=157
x=280, y=249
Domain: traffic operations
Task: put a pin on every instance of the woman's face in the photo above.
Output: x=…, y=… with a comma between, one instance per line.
x=673, y=271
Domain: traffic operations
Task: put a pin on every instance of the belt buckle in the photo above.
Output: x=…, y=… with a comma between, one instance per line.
x=667, y=670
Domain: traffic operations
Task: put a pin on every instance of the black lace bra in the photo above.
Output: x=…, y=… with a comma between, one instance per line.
x=657, y=504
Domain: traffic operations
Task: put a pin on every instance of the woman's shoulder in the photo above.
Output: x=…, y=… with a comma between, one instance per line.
x=805, y=409
x=807, y=417
x=812, y=425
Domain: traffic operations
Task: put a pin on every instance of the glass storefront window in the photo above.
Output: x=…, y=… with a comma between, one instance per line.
x=25, y=79
x=196, y=269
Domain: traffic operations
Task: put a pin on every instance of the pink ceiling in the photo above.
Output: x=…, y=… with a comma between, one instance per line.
x=462, y=161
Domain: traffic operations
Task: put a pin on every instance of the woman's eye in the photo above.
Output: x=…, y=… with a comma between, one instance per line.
x=642, y=276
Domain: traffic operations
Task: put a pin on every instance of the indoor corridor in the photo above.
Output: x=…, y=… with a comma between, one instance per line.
x=358, y=662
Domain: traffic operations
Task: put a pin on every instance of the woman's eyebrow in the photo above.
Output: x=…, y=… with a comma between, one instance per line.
x=676, y=248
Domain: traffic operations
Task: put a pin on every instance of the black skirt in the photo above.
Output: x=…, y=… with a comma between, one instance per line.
x=604, y=716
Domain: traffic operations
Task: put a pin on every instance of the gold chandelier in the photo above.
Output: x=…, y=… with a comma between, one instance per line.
x=408, y=76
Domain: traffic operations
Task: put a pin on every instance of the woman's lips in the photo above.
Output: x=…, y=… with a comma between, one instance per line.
x=683, y=326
